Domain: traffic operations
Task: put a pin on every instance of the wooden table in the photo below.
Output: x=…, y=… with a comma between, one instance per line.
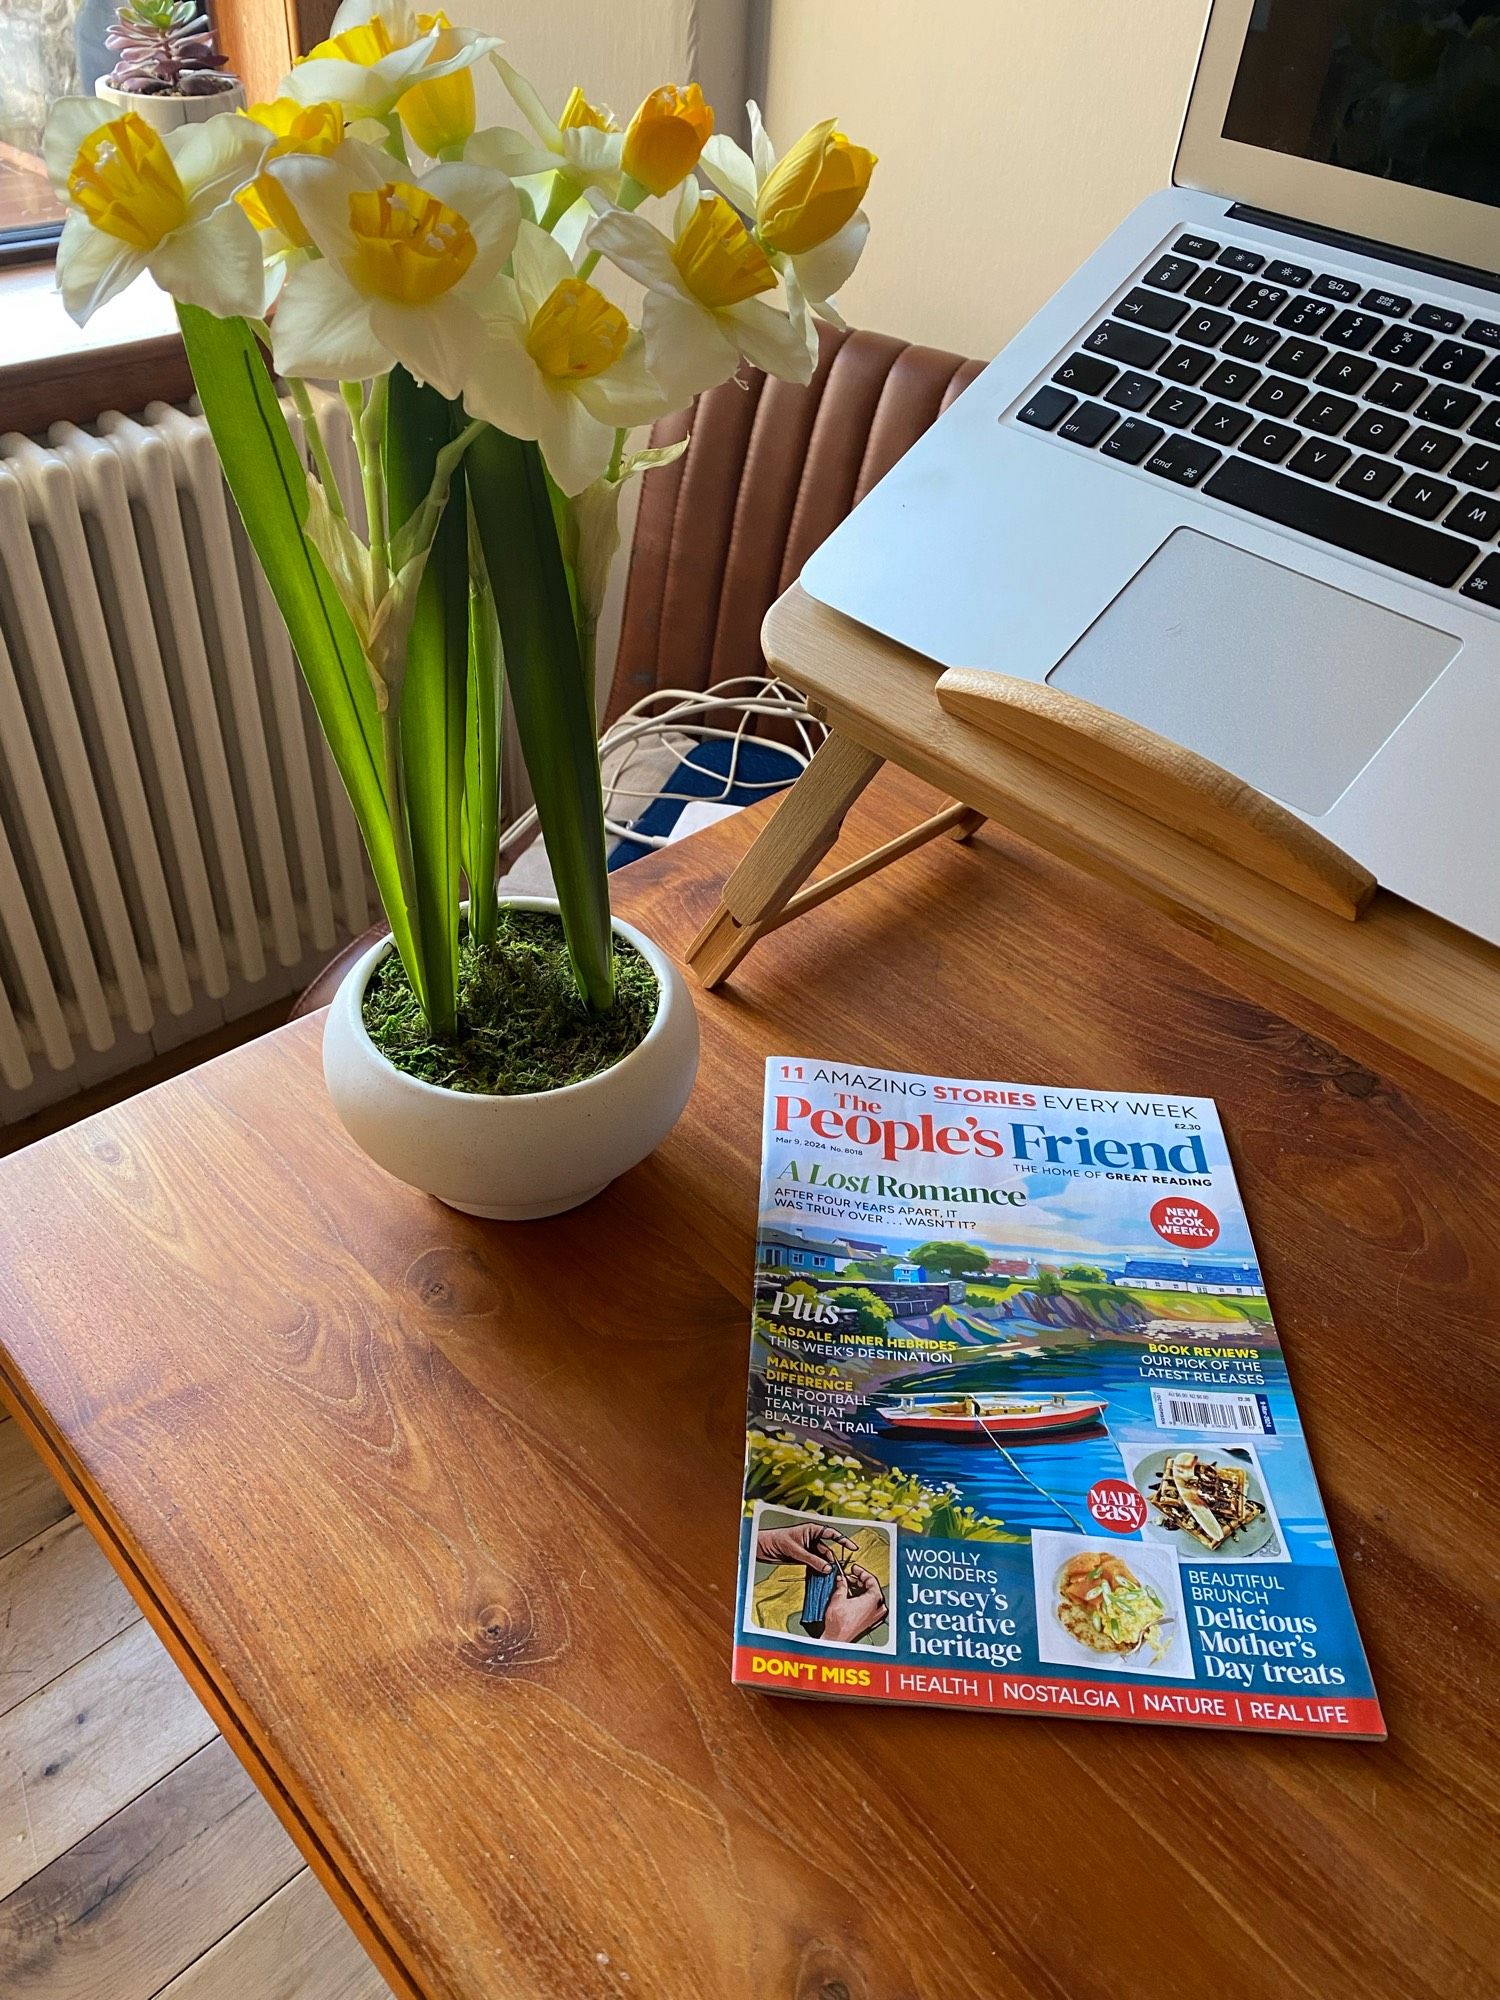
x=440, y=1515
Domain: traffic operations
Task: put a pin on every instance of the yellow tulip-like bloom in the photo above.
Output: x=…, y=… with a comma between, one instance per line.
x=124, y=181
x=299, y=128
x=719, y=260
x=813, y=192
x=440, y=116
x=577, y=333
x=579, y=115
x=666, y=136
x=408, y=246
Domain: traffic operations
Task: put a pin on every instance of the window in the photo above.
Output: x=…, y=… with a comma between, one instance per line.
x=48, y=49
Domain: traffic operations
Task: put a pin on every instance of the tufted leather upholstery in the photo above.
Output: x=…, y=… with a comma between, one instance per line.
x=771, y=471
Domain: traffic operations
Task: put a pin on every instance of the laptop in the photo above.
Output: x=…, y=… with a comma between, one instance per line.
x=1240, y=479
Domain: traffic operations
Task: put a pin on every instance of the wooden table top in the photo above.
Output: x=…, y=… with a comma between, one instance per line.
x=441, y=1514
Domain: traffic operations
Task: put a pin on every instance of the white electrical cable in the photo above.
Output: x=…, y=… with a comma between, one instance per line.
x=664, y=728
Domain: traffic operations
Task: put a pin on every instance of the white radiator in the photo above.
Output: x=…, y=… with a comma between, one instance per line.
x=175, y=845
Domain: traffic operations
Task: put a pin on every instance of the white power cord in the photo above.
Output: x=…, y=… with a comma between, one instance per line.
x=660, y=732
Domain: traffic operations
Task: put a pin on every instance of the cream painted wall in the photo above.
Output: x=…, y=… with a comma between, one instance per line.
x=1013, y=135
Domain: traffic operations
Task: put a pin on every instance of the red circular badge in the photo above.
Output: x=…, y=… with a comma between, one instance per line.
x=1117, y=1506
x=1187, y=1223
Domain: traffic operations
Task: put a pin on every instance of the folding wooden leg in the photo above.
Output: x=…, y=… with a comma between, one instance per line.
x=766, y=890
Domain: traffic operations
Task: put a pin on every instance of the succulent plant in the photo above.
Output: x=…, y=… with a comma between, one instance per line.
x=164, y=47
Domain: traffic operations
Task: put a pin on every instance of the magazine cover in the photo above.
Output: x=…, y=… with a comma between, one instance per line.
x=1020, y=1432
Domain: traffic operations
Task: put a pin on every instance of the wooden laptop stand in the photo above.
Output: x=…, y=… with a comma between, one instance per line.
x=1117, y=800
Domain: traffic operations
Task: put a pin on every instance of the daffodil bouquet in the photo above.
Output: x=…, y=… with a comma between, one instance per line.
x=361, y=230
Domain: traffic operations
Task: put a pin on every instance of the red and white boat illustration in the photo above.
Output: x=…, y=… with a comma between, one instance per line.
x=988, y=1415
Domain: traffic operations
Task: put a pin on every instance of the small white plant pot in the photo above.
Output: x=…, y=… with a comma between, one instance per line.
x=513, y=1158
x=167, y=113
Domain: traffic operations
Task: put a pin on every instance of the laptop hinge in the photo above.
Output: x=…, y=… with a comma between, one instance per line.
x=1340, y=239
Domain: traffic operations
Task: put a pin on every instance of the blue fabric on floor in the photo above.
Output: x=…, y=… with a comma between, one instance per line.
x=701, y=775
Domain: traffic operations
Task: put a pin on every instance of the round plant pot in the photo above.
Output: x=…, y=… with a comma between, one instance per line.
x=513, y=1158
x=167, y=113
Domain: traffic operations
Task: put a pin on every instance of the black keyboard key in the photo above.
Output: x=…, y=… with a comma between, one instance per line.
x=1153, y=309
x=1224, y=424
x=1352, y=329
x=1233, y=380
x=1305, y=315
x=1484, y=584
x=1277, y=397
x=1087, y=424
x=1214, y=288
x=1131, y=441
x=1132, y=391
x=1294, y=275
x=1177, y=407
x=1479, y=466
x=1260, y=301
x=1186, y=364
x=1271, y=441
x=1439, y=318
x=1431, y=450
x=1396, y=390
x=1450, y=407
x=1486, y=425
x=1085, y=373
x=1477, y=514
x=1328, y=287
x=1133, y=345
x=1485, y=331
x=1390, y=303
x=1249, y=342
x=1183, y=460
x=1205, y=328
x=1372, y=477
x=1235, y=259
x=1488, y=381
x=1170, y=274
x=1327, y=413
x=1329, y=516
x=1347, y=373
x=1046, y=409
x=1453, y=360
x=1318, y=458
x=1196, y=246
x=1298, y=357
x=1422, y=497
x=1377, y=430
x=1405, y=345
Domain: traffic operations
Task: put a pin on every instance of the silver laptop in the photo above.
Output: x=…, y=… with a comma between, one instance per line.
x=1240, y=479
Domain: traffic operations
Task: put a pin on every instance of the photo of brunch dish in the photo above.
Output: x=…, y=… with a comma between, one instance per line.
x=1104, y=1605
x=1211, y=1502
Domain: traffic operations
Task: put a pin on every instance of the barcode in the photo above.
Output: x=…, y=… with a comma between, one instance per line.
x=1176, y=1411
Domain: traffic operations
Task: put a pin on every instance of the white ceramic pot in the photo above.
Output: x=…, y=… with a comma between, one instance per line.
x=167, y=113
x=512, y=1158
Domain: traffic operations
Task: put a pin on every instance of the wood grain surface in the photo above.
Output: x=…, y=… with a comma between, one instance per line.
x=441, y=1514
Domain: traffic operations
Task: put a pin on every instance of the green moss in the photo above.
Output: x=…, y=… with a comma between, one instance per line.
x=522, y=1025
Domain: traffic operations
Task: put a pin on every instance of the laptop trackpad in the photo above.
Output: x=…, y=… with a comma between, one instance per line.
x=1289, y=683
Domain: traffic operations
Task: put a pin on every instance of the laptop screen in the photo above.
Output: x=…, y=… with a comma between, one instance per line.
x=1408, y=90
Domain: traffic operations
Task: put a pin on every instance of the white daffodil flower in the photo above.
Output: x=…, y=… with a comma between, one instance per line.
x=404, y=256
x=142, y=200
x=560, y=364
x=583, y=146
x=376, y=51
x=805, y=210
x=703, y=309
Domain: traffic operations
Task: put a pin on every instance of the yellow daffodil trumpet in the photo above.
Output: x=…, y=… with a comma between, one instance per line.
x=810, y=195
x=440, y=116
x=666, y=136
x=720, y=261
x=299, y=128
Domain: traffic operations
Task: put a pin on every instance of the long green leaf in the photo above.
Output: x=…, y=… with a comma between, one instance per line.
x=482, y=760
x=553, y=712
x=419, y=423
x=267, y=480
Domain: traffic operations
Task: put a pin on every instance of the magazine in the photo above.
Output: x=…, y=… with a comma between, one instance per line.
x=1020, y=1431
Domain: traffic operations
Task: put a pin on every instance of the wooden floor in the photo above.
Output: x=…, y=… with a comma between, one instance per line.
x=136, y=1858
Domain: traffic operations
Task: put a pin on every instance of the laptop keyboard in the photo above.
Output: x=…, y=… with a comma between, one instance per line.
x=1355, y=415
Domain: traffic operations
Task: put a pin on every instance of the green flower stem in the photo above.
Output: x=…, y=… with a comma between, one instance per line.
x=367, y=416
x=302, y=403
x=564, y=194
x=632, y=194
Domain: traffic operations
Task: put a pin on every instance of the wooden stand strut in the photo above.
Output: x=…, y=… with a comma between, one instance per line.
x=766, y=890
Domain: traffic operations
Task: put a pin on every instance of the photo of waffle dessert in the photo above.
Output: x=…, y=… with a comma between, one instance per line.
x=1209, y=1501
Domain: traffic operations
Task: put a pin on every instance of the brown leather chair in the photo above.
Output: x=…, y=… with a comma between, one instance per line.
x=771, y=471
